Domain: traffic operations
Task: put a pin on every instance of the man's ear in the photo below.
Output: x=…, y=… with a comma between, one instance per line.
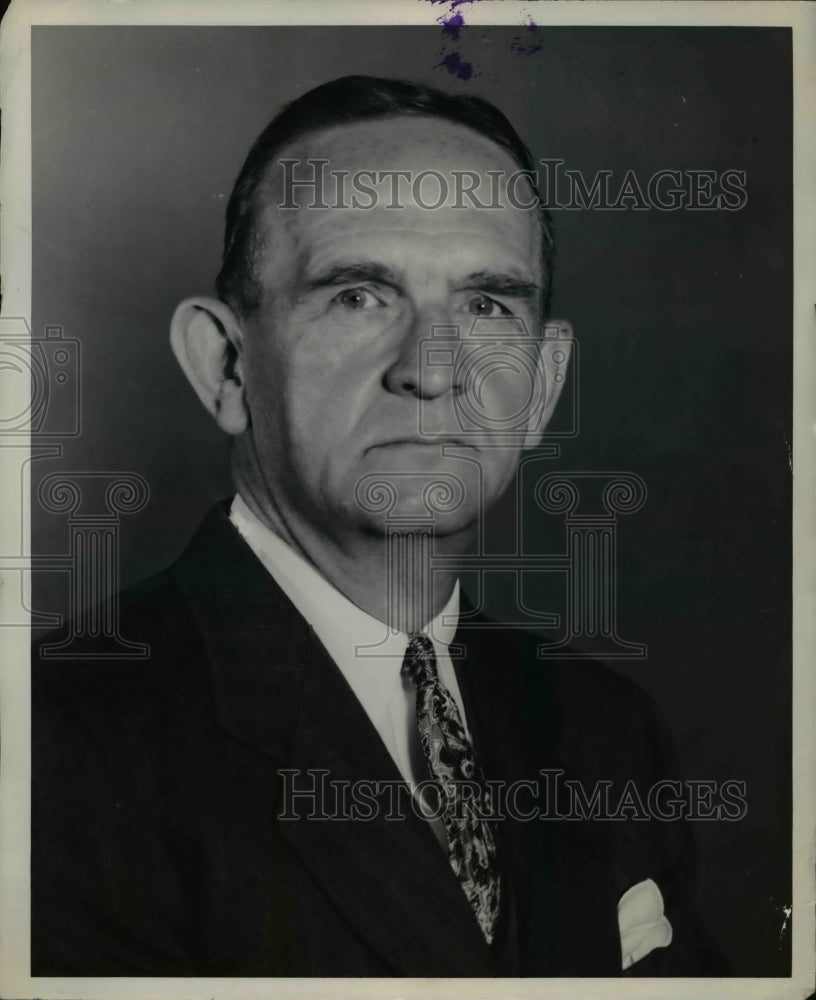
x=207, y=341
x=553, y=359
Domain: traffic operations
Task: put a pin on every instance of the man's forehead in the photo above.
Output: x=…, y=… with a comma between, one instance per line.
x=400, y=173
x=415, y=143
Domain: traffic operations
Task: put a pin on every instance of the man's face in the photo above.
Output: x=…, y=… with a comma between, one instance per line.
x=344, y=391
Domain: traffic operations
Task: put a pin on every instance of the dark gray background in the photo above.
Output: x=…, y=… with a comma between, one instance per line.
x=684, y=323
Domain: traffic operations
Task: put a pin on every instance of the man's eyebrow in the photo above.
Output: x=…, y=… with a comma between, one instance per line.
x=501, y=283
x=349, y=273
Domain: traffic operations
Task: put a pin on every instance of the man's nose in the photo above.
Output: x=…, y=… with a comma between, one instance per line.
x=426, y=365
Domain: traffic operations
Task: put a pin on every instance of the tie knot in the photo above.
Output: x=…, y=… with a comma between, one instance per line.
x=419, y=664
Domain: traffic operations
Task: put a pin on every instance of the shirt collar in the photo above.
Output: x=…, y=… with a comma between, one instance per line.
x=368, y=653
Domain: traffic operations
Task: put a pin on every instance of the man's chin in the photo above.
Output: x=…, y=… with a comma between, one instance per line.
x=417, y=485
x=436, y=512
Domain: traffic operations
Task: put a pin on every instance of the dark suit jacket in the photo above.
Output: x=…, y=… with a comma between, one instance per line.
x=157, y=847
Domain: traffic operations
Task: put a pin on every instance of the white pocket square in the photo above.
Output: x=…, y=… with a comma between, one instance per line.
x=642, y=922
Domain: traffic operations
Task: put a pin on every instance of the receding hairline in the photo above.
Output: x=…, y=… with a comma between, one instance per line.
x=345, y=102
x=408, y=121
x=298, y=148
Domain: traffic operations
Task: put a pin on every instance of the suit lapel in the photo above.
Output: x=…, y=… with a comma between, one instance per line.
x=389, y=876
x=276, y=689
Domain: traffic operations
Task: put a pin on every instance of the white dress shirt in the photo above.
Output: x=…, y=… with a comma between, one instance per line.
x=367, y=652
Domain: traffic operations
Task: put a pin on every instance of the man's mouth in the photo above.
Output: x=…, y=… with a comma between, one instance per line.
x=426, y=440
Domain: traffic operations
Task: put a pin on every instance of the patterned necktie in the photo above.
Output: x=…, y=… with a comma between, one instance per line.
x=453, y=765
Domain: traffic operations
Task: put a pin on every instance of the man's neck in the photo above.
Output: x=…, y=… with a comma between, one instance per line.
x=389, y=577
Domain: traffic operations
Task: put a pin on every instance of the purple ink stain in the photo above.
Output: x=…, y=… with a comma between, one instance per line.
x=451, y=25
x=454, y=64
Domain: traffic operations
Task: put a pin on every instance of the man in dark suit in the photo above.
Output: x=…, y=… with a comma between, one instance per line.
x=317, y=771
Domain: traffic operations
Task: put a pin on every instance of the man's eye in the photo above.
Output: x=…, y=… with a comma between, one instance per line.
x=483, y=305
x=357, y=298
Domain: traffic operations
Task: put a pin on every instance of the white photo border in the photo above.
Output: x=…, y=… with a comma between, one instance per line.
x=15, y=262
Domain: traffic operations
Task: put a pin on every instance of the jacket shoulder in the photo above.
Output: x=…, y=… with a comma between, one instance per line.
x=84, y=685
